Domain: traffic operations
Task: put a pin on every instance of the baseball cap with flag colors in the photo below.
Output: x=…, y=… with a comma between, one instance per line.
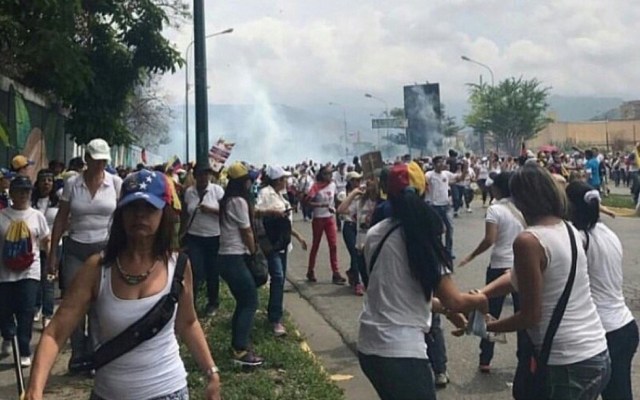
x=402, y=176
x=150, y=186
x=19, y=162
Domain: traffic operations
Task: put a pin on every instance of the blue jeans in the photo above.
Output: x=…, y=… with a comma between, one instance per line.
x=278, y=274
x=583, y=380
x=349, y=232
x=436, y=346
x=234, y=270
x=622, y=345
x=495, y=309
x=443, y=212
x=203, y=254
x=457, y=192
x=399, y=378
x=18, y=299
x=44, y=297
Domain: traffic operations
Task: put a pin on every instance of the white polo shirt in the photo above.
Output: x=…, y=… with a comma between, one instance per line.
x=90, y=218
x=438, y=194
x=204, y=224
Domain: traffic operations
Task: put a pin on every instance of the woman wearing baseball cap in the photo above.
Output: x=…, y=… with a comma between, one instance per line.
x=121, y=286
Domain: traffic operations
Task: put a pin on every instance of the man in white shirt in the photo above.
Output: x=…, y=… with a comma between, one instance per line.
x=439, y=181
x=340, y=179
x=304, y=185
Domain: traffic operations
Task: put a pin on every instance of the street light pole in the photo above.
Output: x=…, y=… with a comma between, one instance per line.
x=386, y=112
x=186, y=87
x=465, y=58
x=344, y=119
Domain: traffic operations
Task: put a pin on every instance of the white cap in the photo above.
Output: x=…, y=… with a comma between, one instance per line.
x=276, y=172
x=99, y=149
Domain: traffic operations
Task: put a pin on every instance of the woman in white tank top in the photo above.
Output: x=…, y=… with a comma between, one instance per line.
x=604, y=258
x=122, y=286
x=578, y=365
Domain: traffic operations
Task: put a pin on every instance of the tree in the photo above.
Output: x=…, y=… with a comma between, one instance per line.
x=397, y=113
x=88, y=56
x=148, y=115
x=513, y=111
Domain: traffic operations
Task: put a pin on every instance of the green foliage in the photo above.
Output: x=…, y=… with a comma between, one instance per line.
x=88, y=55
x=289, y=372
x=513, y=111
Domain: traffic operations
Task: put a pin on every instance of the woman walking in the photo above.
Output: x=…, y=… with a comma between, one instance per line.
x=578, y=365
x=503, y=223
x=604, y=260
x=321, y=198
x=237, y=242
x=86, y=207
x=408, y=265
x=135, y=273
x=273, y=224
x=45, y=200
x=350, y=229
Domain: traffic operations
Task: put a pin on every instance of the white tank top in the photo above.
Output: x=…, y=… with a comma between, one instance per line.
x=152, y=369
x=580, y=335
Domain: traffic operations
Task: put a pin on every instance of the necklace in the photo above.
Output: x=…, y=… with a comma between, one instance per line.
x=134, y=279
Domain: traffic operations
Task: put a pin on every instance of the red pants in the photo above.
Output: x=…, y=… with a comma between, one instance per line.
x=328, y=226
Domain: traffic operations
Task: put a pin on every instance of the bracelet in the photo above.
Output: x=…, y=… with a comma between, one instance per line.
x=211, y=372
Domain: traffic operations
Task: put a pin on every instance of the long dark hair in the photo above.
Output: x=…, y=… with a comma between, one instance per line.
x=236, y=188
x=36, y=195
x=584, y=215
x=422, y=232
x=118, y=239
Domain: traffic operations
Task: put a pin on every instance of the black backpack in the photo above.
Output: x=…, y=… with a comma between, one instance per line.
x=278, y=231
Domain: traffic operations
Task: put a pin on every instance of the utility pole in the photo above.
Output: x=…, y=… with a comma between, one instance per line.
x=202, y=103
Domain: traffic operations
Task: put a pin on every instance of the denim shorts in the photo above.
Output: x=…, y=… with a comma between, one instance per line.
x=182, y=394
x=580, y=381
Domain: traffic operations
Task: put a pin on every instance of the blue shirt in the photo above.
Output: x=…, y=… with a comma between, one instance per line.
x=593, y=165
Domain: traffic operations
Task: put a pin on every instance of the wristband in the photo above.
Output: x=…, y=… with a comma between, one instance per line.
x=211, y=372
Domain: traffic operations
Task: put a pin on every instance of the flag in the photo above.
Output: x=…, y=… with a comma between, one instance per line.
x=174, y=162
x=219, y=154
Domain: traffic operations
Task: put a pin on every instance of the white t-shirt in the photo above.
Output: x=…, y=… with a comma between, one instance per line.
x=580, y=335
x=604, y=259
x=364, y=213
x=90, y=218
x=49, y=212
x=39, y=230
x=204, y=224
x=325, y=195
x=340, y=180
x=395, y=314
x=483, y=170
x=269, y=199
x=236, y=217
x=505, y=215
x=438, y=194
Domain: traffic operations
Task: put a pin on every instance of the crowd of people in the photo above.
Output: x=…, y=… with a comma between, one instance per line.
x=114, y=240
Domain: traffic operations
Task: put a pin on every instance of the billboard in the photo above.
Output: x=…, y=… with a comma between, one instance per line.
x=422, y=109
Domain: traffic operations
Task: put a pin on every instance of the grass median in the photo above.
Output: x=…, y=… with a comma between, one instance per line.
x=289, y=371
x=618, y=201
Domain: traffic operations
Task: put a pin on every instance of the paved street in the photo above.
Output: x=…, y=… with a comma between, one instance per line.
x=341, y=308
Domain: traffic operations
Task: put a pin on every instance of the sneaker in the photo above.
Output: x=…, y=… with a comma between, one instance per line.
x=338, y=279
x=25, y=362
x=5, y=350
x=279, y=330
x=211, y=311
x=469, y=211
x=442, y=380
x=484, y=368
x=247, y=358
x=311, y=277
x=359, y=290
x=45, y=322
x=37, y=316
x=351, y=277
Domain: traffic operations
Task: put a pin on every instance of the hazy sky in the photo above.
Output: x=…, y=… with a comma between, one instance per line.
x=305, y=52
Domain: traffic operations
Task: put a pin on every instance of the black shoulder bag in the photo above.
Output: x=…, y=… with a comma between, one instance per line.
x=143, y=329
x=376, y=252
x=529, y=382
